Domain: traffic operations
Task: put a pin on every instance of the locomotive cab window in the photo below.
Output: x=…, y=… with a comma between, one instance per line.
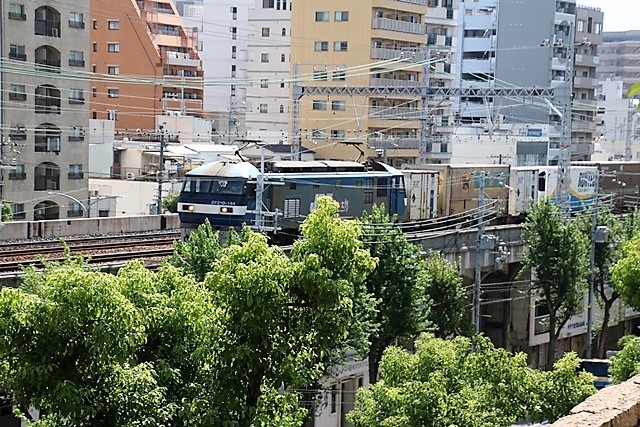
x=213, y=186
x=382, y=187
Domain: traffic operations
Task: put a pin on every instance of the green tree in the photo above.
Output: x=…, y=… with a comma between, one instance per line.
x=170, y=202
x=447, y=383
x=606, y=255
x=145, y=348
x=397, y=284
x=449, y=313
x=558, y=255
x=199, y=252
x=626, y=363
x=625, y=273
x=7, y=212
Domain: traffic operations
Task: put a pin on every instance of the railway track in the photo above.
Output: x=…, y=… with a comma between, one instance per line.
x=98, y=249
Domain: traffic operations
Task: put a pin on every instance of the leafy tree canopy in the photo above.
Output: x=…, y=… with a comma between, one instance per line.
x=447, y=383
x=626, y=363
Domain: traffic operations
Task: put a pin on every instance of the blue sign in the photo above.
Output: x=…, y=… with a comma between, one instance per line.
x=534, y=132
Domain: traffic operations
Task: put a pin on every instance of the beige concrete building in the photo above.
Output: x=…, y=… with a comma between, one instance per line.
x=362, y=43
x=43, y=110
x=147, y=40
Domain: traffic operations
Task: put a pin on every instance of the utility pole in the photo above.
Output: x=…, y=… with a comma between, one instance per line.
x=628, y=140
x=592, y=266
x=160, y=170
x=481, y=176
x=424, y=106
x=295, y=125
x=259, y=192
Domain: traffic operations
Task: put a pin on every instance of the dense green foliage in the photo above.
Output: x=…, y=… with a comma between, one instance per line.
x=447, y=383
x=449, y=310
x=626, y=273
x=626, y=363
x=606, y=255
x=143, y=348
x=7, y=212
x=558, y=256
x=170, y=202
x=397, y=284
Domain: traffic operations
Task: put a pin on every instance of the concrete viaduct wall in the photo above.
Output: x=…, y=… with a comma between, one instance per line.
x=25, y=230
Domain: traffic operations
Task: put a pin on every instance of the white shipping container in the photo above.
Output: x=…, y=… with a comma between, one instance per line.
x=422, y=194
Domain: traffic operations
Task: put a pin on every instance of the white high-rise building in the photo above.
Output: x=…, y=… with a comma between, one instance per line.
x=269, y=51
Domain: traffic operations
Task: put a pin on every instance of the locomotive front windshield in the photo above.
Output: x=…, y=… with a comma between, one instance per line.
x=213, y=186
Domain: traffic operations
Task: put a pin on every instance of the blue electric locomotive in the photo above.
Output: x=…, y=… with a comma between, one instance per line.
x=224, y=192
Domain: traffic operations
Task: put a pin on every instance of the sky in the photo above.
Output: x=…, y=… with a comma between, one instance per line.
x=619, y=15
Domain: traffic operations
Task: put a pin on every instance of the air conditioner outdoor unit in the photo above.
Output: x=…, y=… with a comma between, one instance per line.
x=131, y=175
x=94, y=193
x=53, y=144
x=54, y=32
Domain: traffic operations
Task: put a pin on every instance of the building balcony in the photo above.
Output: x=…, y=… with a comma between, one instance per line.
x=76, y=101
x=17, y=176
x=44, y=107
x=180, y=59
x=438, y=40
x=393, y=82
x=587, y=60
x=583, y=126
x=481, y=66
x=48, y=65
x=418, y=2
x=478, y=22
x=394, y=113
x=18, y=56
x=585, y=82
x=386, y=53
x=76, y=62
x=479, y=44
x=76, y=24
x=398, y=26
x=17, y=16
x=17, y=96
x=47, y=28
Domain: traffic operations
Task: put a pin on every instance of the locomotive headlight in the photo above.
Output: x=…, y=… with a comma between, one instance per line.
x=189, y=208
x=226, y=209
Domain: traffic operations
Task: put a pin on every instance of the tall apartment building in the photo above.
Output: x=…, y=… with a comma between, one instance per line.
x=620, y=57
x=43, y=110
x=146, y=63
x=224, y=33
x=588, y=39
x=269, y=46
x=365, y=43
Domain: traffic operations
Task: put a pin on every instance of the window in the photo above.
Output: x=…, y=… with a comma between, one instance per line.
x=112, y=115
x=580, y=25
x=233, y=70
x=94, y=68
x=319, y=105
x=234, y=33
x=232, y=88
x=95, y=46
x=76, y=96
x=334, y=398
x=95, y=24
x=341, y=16
x=73, y=208
x=75, y=171
x=76, y=58
x=264, y=108
x=76, y=20
x=598, y=28
x=234, y=13
x=337, y=134
x=16, y=11
x=322, y=46
x=340, y=46
x=268, y=4
x=113, y=69
x=18, y=211
x=113, y=47
x=338, y=105
x=17, y=92
x=264, y=83
x=114, y=25
x=322, y=16
x=18, y=132
x=283, y=58
x=368, y=197
x=16, y=51
x=281, y=109
x=265, y=32
x=282, y=85
x=234, y=52
x=264, y=57
x=76, y=134
x=94, y=92
x=18, y=172
x=284, y=32
x=339, y=76
x=320, y=76
x=113, y=92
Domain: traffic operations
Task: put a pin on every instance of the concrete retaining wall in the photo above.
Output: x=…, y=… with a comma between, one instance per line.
x=614, y=406
x=25, y=230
